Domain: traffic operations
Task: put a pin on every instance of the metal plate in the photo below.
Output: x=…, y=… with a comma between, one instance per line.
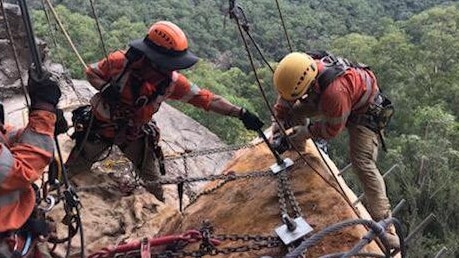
x=287, y=236
x=276, y=168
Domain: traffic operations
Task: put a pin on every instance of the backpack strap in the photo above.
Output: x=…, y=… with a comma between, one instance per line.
x=133, y=55
x=318, y=54
x=327, y=76
x=136, y=85
x=335, y=66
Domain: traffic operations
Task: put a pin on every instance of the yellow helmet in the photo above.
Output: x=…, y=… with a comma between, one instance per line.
x=294, y=75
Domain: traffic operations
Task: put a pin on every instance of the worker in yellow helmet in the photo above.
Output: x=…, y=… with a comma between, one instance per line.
x=339, y=94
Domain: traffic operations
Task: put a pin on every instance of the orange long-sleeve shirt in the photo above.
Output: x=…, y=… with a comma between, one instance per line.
x=23, y=156
x=179, y=88
x=348, y=94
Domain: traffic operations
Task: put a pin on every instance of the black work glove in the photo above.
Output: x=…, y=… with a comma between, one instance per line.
x=44, y=92
x=251, y=121
x=61, y=124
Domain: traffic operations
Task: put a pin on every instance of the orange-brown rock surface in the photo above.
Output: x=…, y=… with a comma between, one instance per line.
x=250, y=206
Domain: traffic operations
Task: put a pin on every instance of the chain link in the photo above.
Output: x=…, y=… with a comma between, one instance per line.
x=204, y=152
x=291, y=197
x=253, y=243
x=226, y=177
x=281, y=194
x=286, y=195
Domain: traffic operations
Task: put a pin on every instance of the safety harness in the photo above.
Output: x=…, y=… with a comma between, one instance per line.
x=380, y=109
x=87, y=128
x=22, y=241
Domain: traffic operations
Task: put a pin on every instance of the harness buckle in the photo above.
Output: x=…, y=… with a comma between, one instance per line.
x=141, y=101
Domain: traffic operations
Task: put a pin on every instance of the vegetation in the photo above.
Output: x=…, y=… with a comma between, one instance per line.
x=411, y=45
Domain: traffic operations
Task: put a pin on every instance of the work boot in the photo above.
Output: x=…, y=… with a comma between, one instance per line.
x=156, y=189
x=392, y=238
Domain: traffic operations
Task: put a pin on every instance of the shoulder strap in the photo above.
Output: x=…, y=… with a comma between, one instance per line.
x=329, y=75
x=133, y=55
x=335, y=66
x=136, y=84
x=318, y=54
x=162, y=85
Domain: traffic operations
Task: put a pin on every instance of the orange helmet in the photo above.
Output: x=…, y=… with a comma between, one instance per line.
x=166, y=45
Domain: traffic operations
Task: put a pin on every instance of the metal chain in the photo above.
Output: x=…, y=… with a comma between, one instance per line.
x=291, y=197
x=226, y=177
x=223, y=180
x=253, y=243
x=204, y=152
x=188, y=190
x=281, y=194
x=285, y=194
x=194, y=198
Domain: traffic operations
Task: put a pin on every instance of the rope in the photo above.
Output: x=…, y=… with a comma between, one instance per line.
x=283, y=26
x=339, y=255
x=376, y=228
x=15, y=53
x=343, y=194
x=71, y=202
x=234, y=11
x=53, y=37
x=67, y=37
x=99, y=30
x=51, y=31
x=249, y=54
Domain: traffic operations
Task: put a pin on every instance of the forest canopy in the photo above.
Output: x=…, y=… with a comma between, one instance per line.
x=412, y=46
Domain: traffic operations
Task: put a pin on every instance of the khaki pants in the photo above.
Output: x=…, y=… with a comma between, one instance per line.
x=363, y=145
x=140, y=152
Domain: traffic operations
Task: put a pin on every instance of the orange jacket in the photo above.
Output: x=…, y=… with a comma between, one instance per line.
x=350, y=93
x=24, y=154
x=101, y=73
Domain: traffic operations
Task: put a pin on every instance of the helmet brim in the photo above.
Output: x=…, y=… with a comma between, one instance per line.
x=176, y=61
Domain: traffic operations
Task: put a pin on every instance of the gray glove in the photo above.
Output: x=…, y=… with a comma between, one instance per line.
x=298, y=135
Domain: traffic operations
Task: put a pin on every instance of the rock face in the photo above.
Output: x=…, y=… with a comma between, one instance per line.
x=114, y=206
x=251, y=206
x=9, y=73
x=116, y=210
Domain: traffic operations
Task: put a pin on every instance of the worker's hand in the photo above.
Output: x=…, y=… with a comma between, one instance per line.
x=275, y=132
x=44, y=91
x=61, y=124
x=250, y=121
x=298, y=135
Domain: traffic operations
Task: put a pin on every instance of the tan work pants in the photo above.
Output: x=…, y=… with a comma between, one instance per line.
x=140, y=152
x=363, y=146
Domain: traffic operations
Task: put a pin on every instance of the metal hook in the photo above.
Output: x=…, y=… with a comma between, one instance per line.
x=51, y=201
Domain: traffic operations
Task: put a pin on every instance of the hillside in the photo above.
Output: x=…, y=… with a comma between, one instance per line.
x=109, y=191
x=411, y=45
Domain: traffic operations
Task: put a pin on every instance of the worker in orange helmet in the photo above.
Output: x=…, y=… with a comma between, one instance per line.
x=338, y=94
x=24, y=154
x=132, y=85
